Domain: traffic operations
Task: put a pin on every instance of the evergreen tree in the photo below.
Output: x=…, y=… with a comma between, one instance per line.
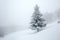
x=37, y=20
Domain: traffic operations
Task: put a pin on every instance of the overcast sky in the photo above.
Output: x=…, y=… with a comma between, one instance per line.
x=18, y=12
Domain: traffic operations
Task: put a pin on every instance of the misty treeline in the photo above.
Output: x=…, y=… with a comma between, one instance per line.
x=4, y=30
x=51, y=17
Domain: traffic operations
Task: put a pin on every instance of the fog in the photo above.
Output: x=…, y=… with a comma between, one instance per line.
x=17, y=13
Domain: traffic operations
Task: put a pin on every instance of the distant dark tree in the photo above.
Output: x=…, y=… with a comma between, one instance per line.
x=58, y=15
x=37, y=20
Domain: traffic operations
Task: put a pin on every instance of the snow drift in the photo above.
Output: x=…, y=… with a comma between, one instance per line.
x=52, y=32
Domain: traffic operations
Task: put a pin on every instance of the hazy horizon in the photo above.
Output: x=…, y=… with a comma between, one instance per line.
x=18, y=12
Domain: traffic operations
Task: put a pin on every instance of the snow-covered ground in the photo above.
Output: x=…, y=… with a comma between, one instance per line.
x=51, y=32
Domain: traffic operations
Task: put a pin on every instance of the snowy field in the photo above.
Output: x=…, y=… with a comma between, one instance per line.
x=51, y=32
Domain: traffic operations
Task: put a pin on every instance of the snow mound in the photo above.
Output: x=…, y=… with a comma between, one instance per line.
x=52, y=32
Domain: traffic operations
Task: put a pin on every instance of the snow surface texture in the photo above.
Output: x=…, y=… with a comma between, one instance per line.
x=52, y=32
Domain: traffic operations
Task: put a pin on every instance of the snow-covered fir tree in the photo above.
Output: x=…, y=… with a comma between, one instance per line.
x=37, y=22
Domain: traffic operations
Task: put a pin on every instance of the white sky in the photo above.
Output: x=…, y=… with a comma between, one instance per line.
x=18, y=12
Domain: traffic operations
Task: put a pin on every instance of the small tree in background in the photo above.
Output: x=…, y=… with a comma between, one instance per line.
x=37, y=20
